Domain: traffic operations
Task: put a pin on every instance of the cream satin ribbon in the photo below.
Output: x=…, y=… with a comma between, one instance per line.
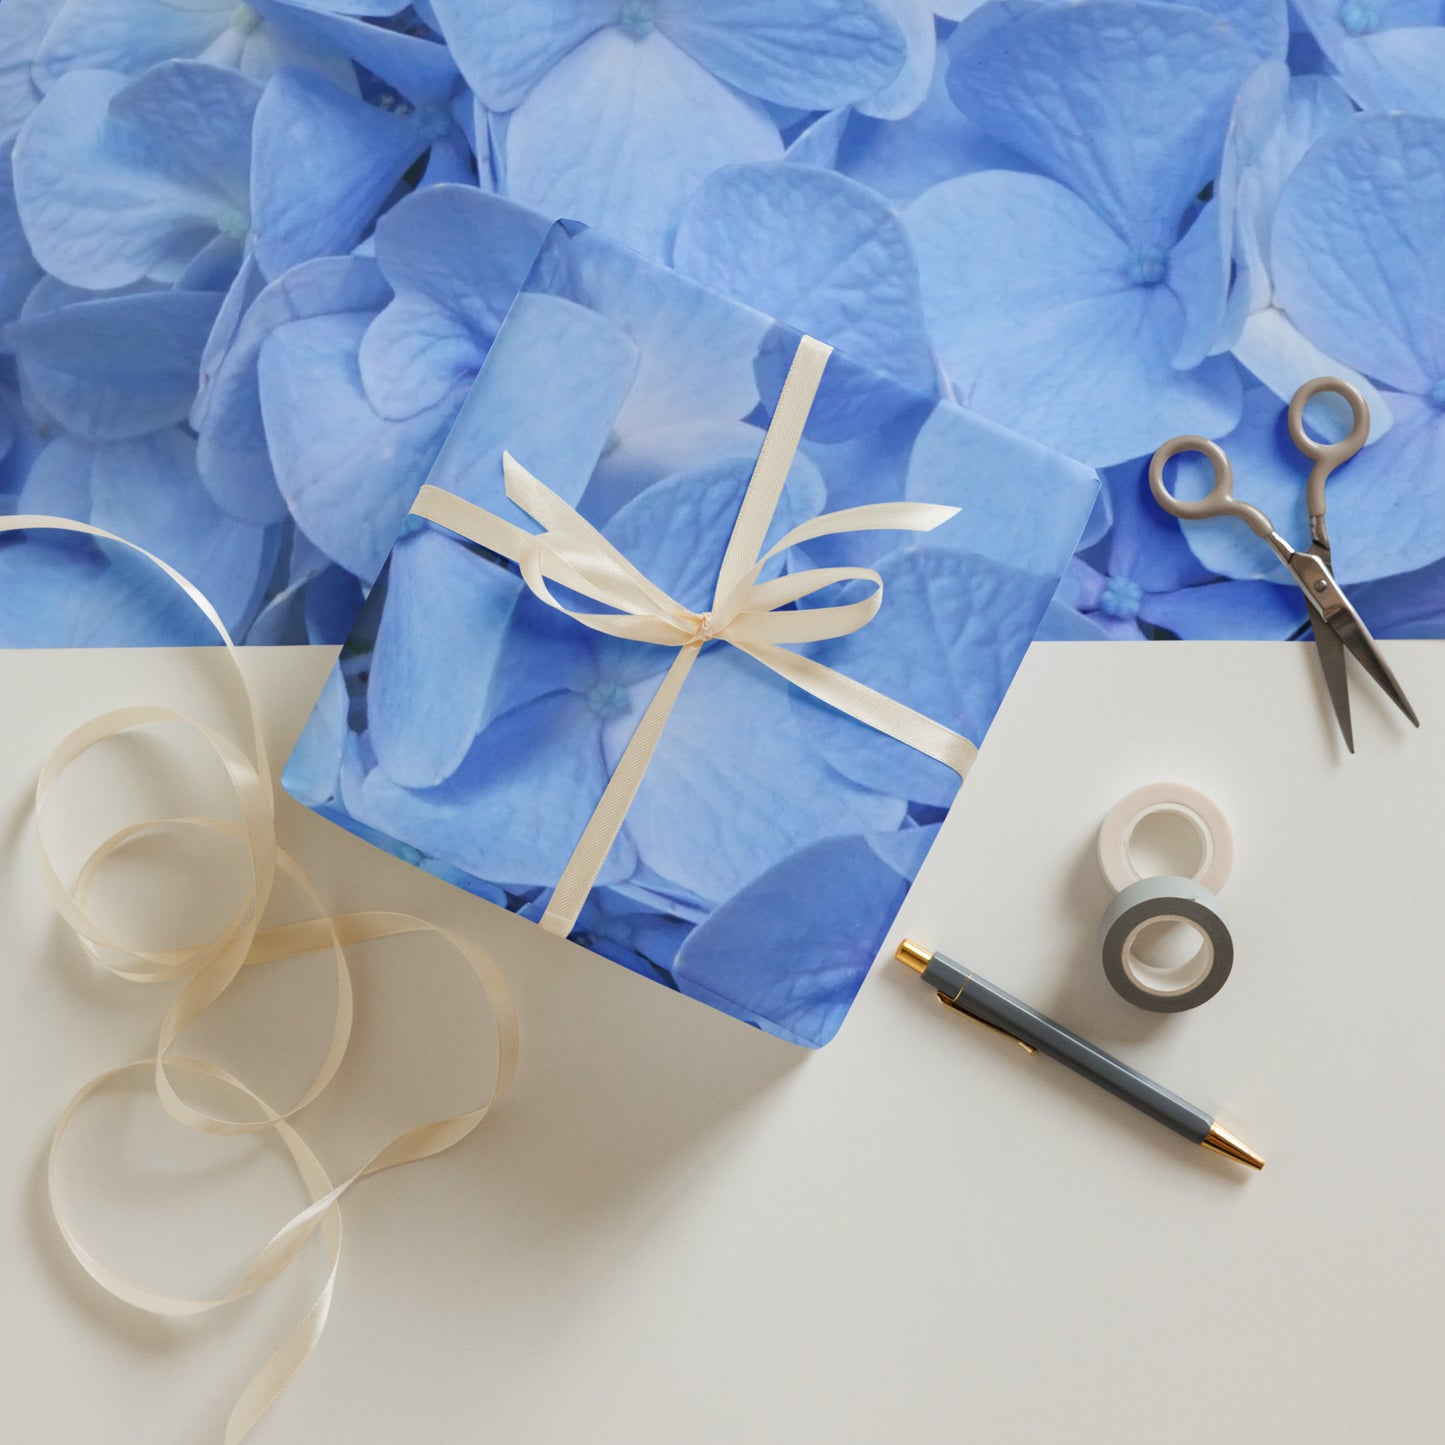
x=744, y=612
x=207, y=970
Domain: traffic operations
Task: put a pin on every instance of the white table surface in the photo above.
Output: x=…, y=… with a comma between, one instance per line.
x=680, y=1230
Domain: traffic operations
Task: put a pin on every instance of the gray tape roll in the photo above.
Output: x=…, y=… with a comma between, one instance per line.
x=1186, y=985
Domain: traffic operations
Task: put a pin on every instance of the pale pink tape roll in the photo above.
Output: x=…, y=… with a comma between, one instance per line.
x=1116, y=833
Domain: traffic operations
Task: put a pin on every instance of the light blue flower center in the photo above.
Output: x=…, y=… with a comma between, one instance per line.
x=607, y=698
x=1437, y=393
x=636, y=18
x=1148, y=266
x=244, y=19
x=434, y=122
x=1122, y=598
x=1359, y=17
x=233, y=224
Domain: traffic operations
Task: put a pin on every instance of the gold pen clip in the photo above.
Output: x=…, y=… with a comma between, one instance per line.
x=953, y=1003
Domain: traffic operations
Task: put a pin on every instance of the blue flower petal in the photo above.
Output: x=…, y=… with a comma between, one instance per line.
x=817, y=143
x=116, y=366
x=324, y=163
x=127, y=36
x=232, y=453
x=1409, y=605
x=456, y=258
x=904, y=849
x=1280, y=355
x=736, y=785
x=147, y=491
x=906, y=91
x=505, y=49
x=813, y=54
x=1357, y=260
x=818, y=252
x=902, y=159
x=118, y=180
x=1063, y=624
x=1043, y=327
x=790, y=951
x=1262, y=25
x=348, y=476
x=1068, y=84
x=1146, y=545
x=22, y=26
x=68, y=591
x=18, y=271
x=1199, y=268
x=1277, y=120
x=514, y=811
x=441, y=631
x=1389, y=54
x=972, y=618
x=419, y=69
x=1225, y=611
x=44, y=583
x=313, y=768
x=621, y=131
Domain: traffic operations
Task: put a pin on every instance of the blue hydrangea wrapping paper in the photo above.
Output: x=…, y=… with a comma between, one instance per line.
x=252, y=255
x=471, y=729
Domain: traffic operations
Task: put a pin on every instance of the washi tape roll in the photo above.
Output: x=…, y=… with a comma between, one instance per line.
x=1116, y=833
x=1173, y=988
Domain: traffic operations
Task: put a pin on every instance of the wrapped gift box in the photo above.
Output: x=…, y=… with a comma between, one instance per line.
x=472, y=729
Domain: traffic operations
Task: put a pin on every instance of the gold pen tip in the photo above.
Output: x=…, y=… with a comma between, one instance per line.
x=914, y=955
x=1223, y=1142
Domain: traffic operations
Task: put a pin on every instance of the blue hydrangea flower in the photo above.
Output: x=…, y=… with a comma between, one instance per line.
x=618, y=111
x=1389, y=54
x=1055, y=299
x=120, y=181
x=1358, y=267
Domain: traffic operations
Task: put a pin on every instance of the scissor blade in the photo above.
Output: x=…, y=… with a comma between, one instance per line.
x=1331, y=652
x=1354, y=634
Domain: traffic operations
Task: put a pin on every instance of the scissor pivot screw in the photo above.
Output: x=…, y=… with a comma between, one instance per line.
x=1320, y=584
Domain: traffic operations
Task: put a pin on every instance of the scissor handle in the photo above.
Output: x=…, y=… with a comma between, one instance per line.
x=1326, y=456
x=1219, y=501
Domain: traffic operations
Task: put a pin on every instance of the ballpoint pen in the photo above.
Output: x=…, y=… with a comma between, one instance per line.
x=981, y=1001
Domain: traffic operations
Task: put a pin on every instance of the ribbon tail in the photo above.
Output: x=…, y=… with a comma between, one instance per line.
x=606, y=821
x=859, y=701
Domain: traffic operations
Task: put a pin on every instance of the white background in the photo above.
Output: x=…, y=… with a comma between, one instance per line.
x=679, y=1230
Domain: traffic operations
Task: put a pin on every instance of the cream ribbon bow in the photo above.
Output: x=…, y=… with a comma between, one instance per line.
x=745, y=611
x=208, y=969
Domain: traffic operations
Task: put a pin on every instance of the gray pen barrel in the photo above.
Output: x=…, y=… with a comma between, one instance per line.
x=991, y=1004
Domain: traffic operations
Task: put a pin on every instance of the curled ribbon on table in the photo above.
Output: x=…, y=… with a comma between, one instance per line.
x=208, y=970
x=745, y=612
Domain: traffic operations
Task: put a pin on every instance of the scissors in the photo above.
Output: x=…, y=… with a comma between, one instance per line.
x=1337, y=626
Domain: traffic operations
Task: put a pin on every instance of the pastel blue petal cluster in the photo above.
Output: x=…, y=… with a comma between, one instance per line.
x=269, y=244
